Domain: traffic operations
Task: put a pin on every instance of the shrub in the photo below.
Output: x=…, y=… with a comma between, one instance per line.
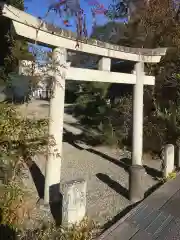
x=16, y=135
x=84, y=231
x=14, y=205
x=20, y=138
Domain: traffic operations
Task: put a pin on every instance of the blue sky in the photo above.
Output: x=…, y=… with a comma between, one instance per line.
x=39, y=8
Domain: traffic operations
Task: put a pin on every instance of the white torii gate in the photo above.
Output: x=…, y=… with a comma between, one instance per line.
x=33, y=29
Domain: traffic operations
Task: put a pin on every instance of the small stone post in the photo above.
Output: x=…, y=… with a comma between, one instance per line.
x=74, y=201
x=56, y=113
x=168, y=160
x=137, y=172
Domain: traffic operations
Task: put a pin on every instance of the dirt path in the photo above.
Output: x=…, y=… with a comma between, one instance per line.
x=102, y=167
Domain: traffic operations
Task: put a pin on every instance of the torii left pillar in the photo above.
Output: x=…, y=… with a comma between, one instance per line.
x=56, y=113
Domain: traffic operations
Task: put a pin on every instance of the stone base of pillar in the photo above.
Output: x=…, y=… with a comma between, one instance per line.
x=136, y=186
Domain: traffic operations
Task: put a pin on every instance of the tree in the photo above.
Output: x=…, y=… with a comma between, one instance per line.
x=12, y=50
x=156, y=26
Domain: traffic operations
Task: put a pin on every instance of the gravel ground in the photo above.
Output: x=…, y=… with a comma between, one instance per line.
x=101, y=167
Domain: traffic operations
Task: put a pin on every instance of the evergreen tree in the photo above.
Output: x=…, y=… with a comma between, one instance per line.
x=12, y=50
x=156, y=26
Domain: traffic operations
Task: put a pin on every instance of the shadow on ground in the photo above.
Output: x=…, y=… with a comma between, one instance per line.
x=113, y=184
x=129, y=208
x=88, y=136
x=120, y=163
x=124, y=163
x=71, y=138
x=154, y=173
x=56, y=198
x=118, y=217
x=69, y=109
x=6, y=232
x=153, y=188
x=44, y=105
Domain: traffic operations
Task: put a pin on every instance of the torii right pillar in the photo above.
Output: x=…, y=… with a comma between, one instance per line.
x=137, y=171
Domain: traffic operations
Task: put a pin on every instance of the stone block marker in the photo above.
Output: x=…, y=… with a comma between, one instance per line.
x=168, y=160
x=74, y=201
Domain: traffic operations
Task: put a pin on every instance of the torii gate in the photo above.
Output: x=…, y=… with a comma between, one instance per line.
x=60, y=40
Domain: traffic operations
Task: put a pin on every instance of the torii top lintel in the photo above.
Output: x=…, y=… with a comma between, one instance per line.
x=35, y=29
